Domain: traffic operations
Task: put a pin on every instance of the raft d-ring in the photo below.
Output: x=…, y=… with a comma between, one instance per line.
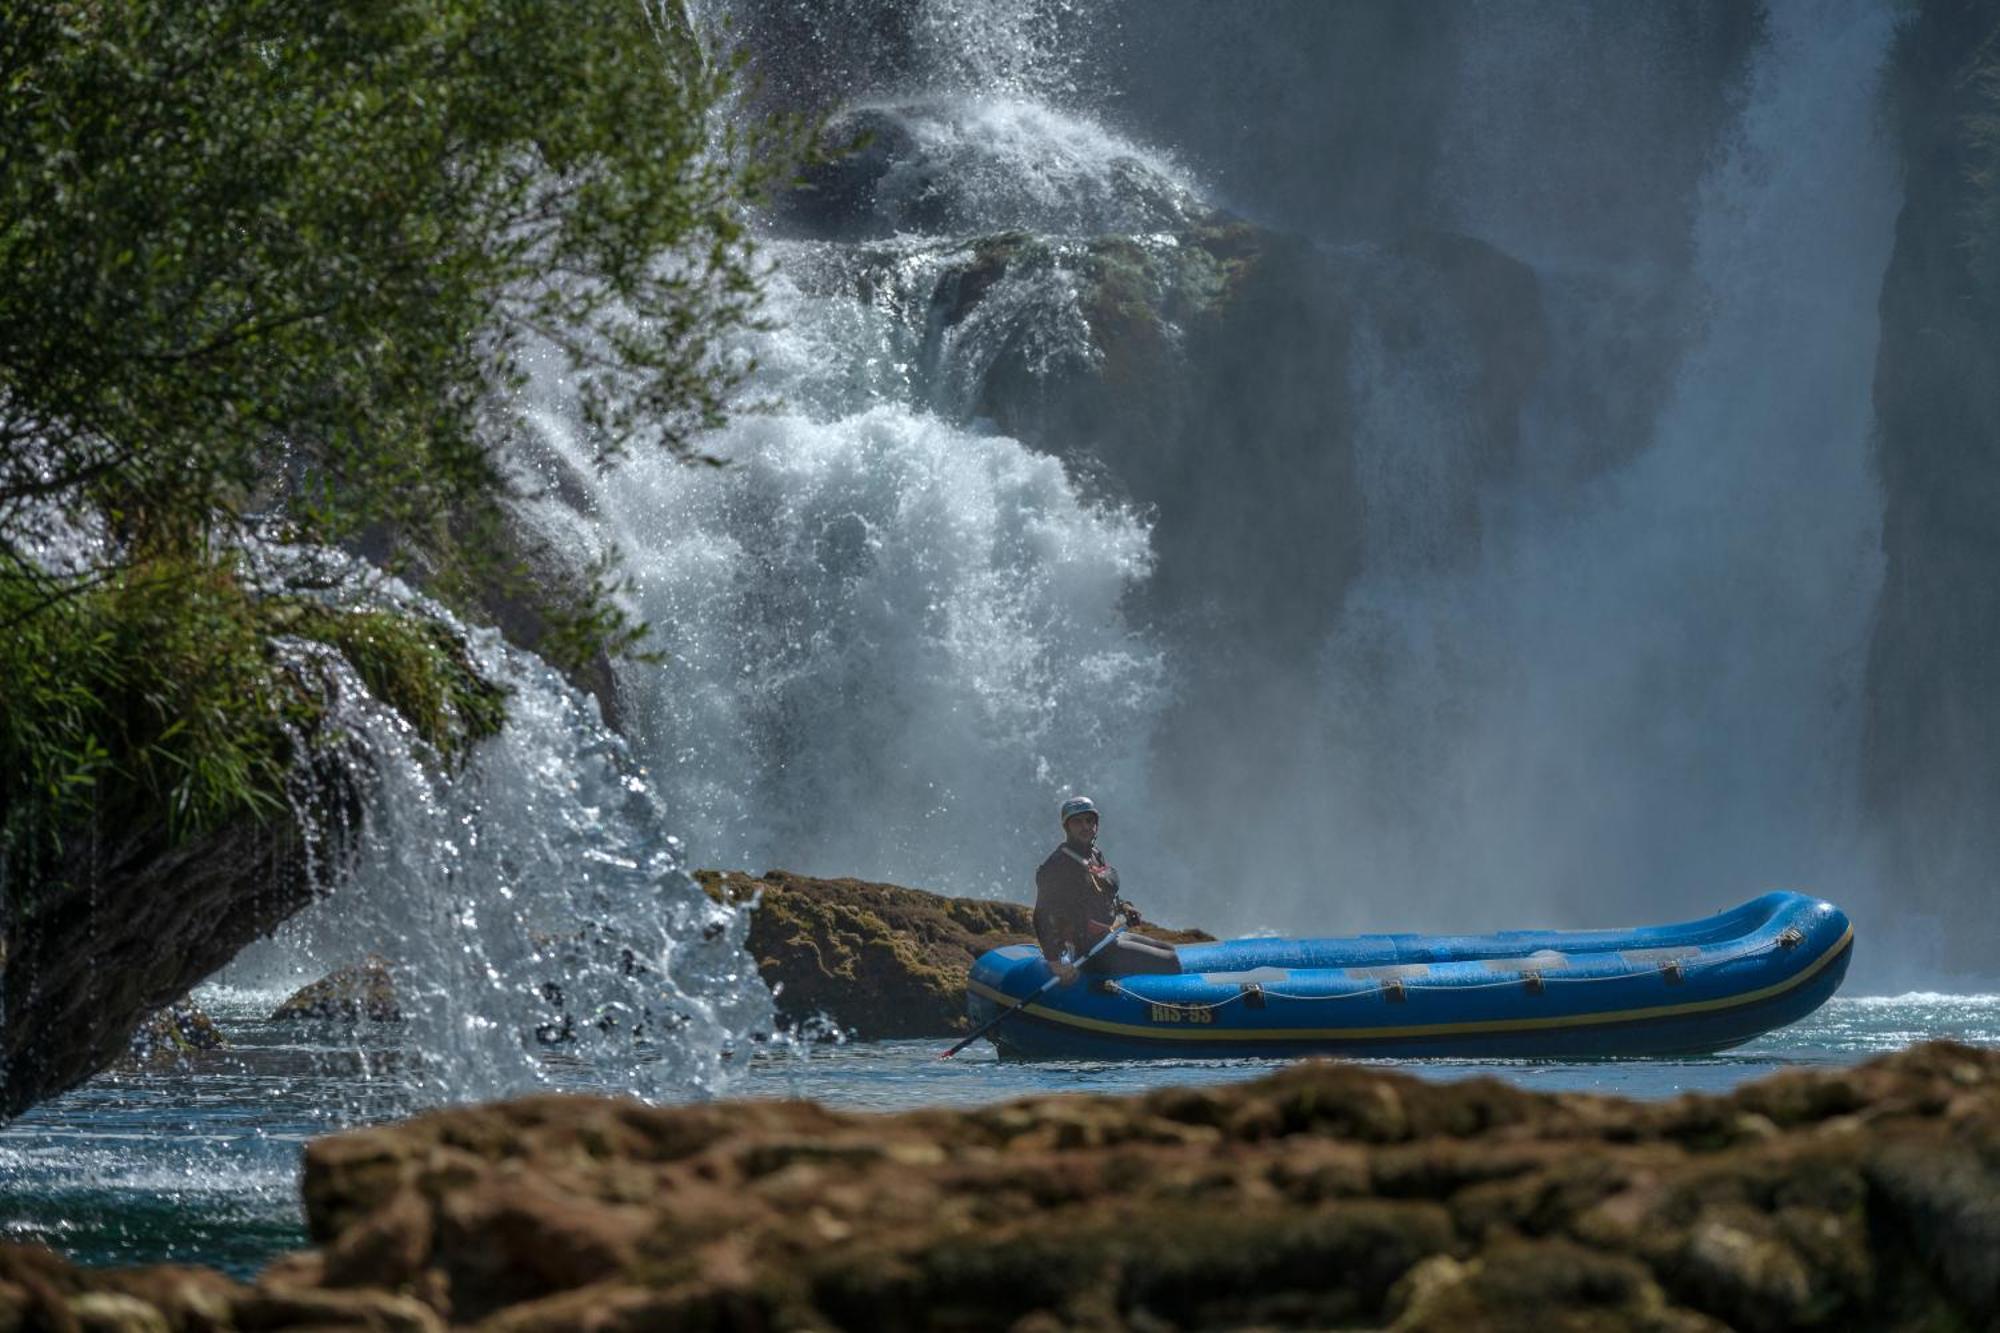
x=1253, y=995
x=1670, y=968
x=1791, y=937
x=1533, y=981
x=1393, y=990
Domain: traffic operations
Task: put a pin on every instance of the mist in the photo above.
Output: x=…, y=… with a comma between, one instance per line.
x=1411, y=465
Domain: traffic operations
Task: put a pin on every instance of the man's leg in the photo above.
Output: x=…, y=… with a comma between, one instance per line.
x=1130, y=955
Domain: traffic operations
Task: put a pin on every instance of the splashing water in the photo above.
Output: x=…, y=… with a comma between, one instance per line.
x=992, y=164
x=890, y=642
x=531, y=906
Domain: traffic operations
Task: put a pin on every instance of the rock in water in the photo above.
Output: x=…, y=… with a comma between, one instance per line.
x=878, y=960
x=366, y=990
x=176, y=1031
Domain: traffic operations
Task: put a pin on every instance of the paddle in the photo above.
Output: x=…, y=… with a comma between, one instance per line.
x=1117, y=929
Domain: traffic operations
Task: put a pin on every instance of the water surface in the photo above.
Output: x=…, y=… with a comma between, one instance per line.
x=198, y=1162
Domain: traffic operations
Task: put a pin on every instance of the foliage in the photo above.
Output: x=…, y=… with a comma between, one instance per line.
x=1982, y=139
x=149, y=693
x=154, y=698
x=416, y=666
x=278, y=256
x=280, y=263
x=1945, y=86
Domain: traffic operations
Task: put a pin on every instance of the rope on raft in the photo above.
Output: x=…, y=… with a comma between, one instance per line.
x=1115, y=985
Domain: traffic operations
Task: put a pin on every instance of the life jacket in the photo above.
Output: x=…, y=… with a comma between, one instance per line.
x=1093, y=865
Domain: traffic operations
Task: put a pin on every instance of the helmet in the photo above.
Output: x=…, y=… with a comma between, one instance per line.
x=1077, y=805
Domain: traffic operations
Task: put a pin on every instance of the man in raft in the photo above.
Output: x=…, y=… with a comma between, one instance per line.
x=1076, y=897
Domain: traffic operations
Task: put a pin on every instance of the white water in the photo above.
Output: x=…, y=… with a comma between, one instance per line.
x=989, y=164
x=893, y=644
x=895, y=637
x=545, y=860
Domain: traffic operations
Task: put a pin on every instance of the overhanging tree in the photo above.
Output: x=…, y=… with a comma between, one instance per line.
x=280, y=260
x=287, y=254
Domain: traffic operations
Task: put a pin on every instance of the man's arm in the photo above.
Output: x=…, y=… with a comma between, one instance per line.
x=1055, y=916
x=1050, y=929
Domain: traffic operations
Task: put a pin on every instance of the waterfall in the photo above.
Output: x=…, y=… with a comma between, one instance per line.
x=1436, y=662
x=1645, y=698
x=892, y=639
x=531, y=906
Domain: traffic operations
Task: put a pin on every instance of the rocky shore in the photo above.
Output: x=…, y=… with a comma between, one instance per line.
x=1327, y=1195
x=878, y=961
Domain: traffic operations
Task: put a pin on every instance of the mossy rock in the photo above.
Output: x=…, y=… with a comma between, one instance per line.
x=879, y=960
x=420, y=667
x=174, y=1033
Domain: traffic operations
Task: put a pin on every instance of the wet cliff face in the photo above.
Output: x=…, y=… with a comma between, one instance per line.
x=141, y=917
x=1933, y=746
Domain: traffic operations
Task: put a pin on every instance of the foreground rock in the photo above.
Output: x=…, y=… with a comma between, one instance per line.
x=878, y=960
x=1327, y=1195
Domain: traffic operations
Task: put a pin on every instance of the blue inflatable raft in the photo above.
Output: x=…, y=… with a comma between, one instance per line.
x=1656, y=990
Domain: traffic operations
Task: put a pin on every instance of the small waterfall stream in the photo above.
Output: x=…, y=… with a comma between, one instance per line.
x=531, y=905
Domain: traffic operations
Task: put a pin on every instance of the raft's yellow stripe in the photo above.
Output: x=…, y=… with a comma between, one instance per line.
x=1423, y=1029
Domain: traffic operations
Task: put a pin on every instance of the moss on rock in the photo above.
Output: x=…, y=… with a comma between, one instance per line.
x=174, y=1033
x=418, y=666
x=172, y=786
x=366, y=990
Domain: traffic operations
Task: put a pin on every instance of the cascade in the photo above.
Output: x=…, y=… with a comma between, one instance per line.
x=1646, y=692
x=891, y=638
x=1596, y=661
x=531, y=906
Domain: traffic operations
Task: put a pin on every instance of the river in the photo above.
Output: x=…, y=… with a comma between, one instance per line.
x=198, y=1162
